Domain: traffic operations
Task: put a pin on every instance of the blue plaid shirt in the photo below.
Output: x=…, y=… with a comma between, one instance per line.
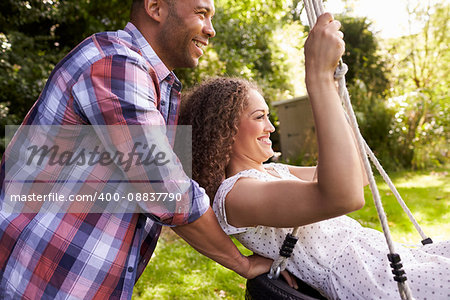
x=110, y=78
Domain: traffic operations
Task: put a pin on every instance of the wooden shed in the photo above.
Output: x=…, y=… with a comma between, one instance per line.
x=296, y=130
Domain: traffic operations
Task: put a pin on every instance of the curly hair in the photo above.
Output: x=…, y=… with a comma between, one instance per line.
x=214, y=108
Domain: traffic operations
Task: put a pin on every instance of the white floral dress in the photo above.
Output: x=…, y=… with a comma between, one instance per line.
x=339, y=257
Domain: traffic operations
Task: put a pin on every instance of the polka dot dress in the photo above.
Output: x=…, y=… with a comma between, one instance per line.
x=339, y=257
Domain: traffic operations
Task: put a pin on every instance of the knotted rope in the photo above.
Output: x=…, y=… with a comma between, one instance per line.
x=314, y=9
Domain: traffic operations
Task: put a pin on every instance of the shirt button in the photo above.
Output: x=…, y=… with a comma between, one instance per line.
x=130, y=269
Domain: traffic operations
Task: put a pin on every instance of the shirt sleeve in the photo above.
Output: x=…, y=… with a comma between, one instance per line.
x=119, y=96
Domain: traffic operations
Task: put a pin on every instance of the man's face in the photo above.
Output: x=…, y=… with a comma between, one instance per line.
x=185, y=32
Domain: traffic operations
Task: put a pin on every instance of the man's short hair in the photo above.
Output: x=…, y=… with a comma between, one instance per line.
x=135, y=7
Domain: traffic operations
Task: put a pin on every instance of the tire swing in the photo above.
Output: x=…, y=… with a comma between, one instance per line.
x=269, y=286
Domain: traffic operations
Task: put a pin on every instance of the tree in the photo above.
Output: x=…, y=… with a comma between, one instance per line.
x=421, y=85
x=362, y=55
x=244, y=46
x=36, y=34
x=368, y=85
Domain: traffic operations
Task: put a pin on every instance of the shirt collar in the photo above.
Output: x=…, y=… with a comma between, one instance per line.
x=149, y=54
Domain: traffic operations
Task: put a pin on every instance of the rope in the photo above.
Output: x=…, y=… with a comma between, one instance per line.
x=403, y=287
x=385, y=176
x=314, y=9
x=425, y=238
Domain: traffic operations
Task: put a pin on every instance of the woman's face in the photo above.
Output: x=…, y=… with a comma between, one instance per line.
x=252, y=140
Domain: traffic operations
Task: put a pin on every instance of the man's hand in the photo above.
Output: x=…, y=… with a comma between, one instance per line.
x=290, y=279
x=253, y=266
x=258, y=265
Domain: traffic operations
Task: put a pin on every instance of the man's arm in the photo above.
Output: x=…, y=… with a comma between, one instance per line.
x=196, y=222
x=206, y=236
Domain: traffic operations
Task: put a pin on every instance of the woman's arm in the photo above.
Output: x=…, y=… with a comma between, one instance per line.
x=310, y=173
x=339, y=186
x=304, y=173
x=285, y=203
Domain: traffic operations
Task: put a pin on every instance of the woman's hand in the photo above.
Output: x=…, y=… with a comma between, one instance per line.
x=324, y=46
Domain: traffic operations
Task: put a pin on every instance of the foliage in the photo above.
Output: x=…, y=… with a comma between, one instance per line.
x=36, y=34
x=366, y=66
x=421, y=83
x=375, y=121
x=401, y=96
x=244, y=46
x=367, y=82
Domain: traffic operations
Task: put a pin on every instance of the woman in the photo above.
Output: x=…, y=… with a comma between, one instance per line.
x=257, y=202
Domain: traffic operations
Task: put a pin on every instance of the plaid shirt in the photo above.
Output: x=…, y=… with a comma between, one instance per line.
x=110, y=78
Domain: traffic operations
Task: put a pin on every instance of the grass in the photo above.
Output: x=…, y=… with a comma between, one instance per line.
x=426, y=193
x=176, y=271
x=179, y=272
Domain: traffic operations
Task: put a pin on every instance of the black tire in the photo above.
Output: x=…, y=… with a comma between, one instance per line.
x=263, y=288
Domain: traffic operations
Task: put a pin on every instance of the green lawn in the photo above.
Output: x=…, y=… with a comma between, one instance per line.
x=176, y=271
x=426, y=193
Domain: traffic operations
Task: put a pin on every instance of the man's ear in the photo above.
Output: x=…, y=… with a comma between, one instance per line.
x=155, y=9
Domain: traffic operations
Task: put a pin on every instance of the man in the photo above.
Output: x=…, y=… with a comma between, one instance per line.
x=114, y=78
